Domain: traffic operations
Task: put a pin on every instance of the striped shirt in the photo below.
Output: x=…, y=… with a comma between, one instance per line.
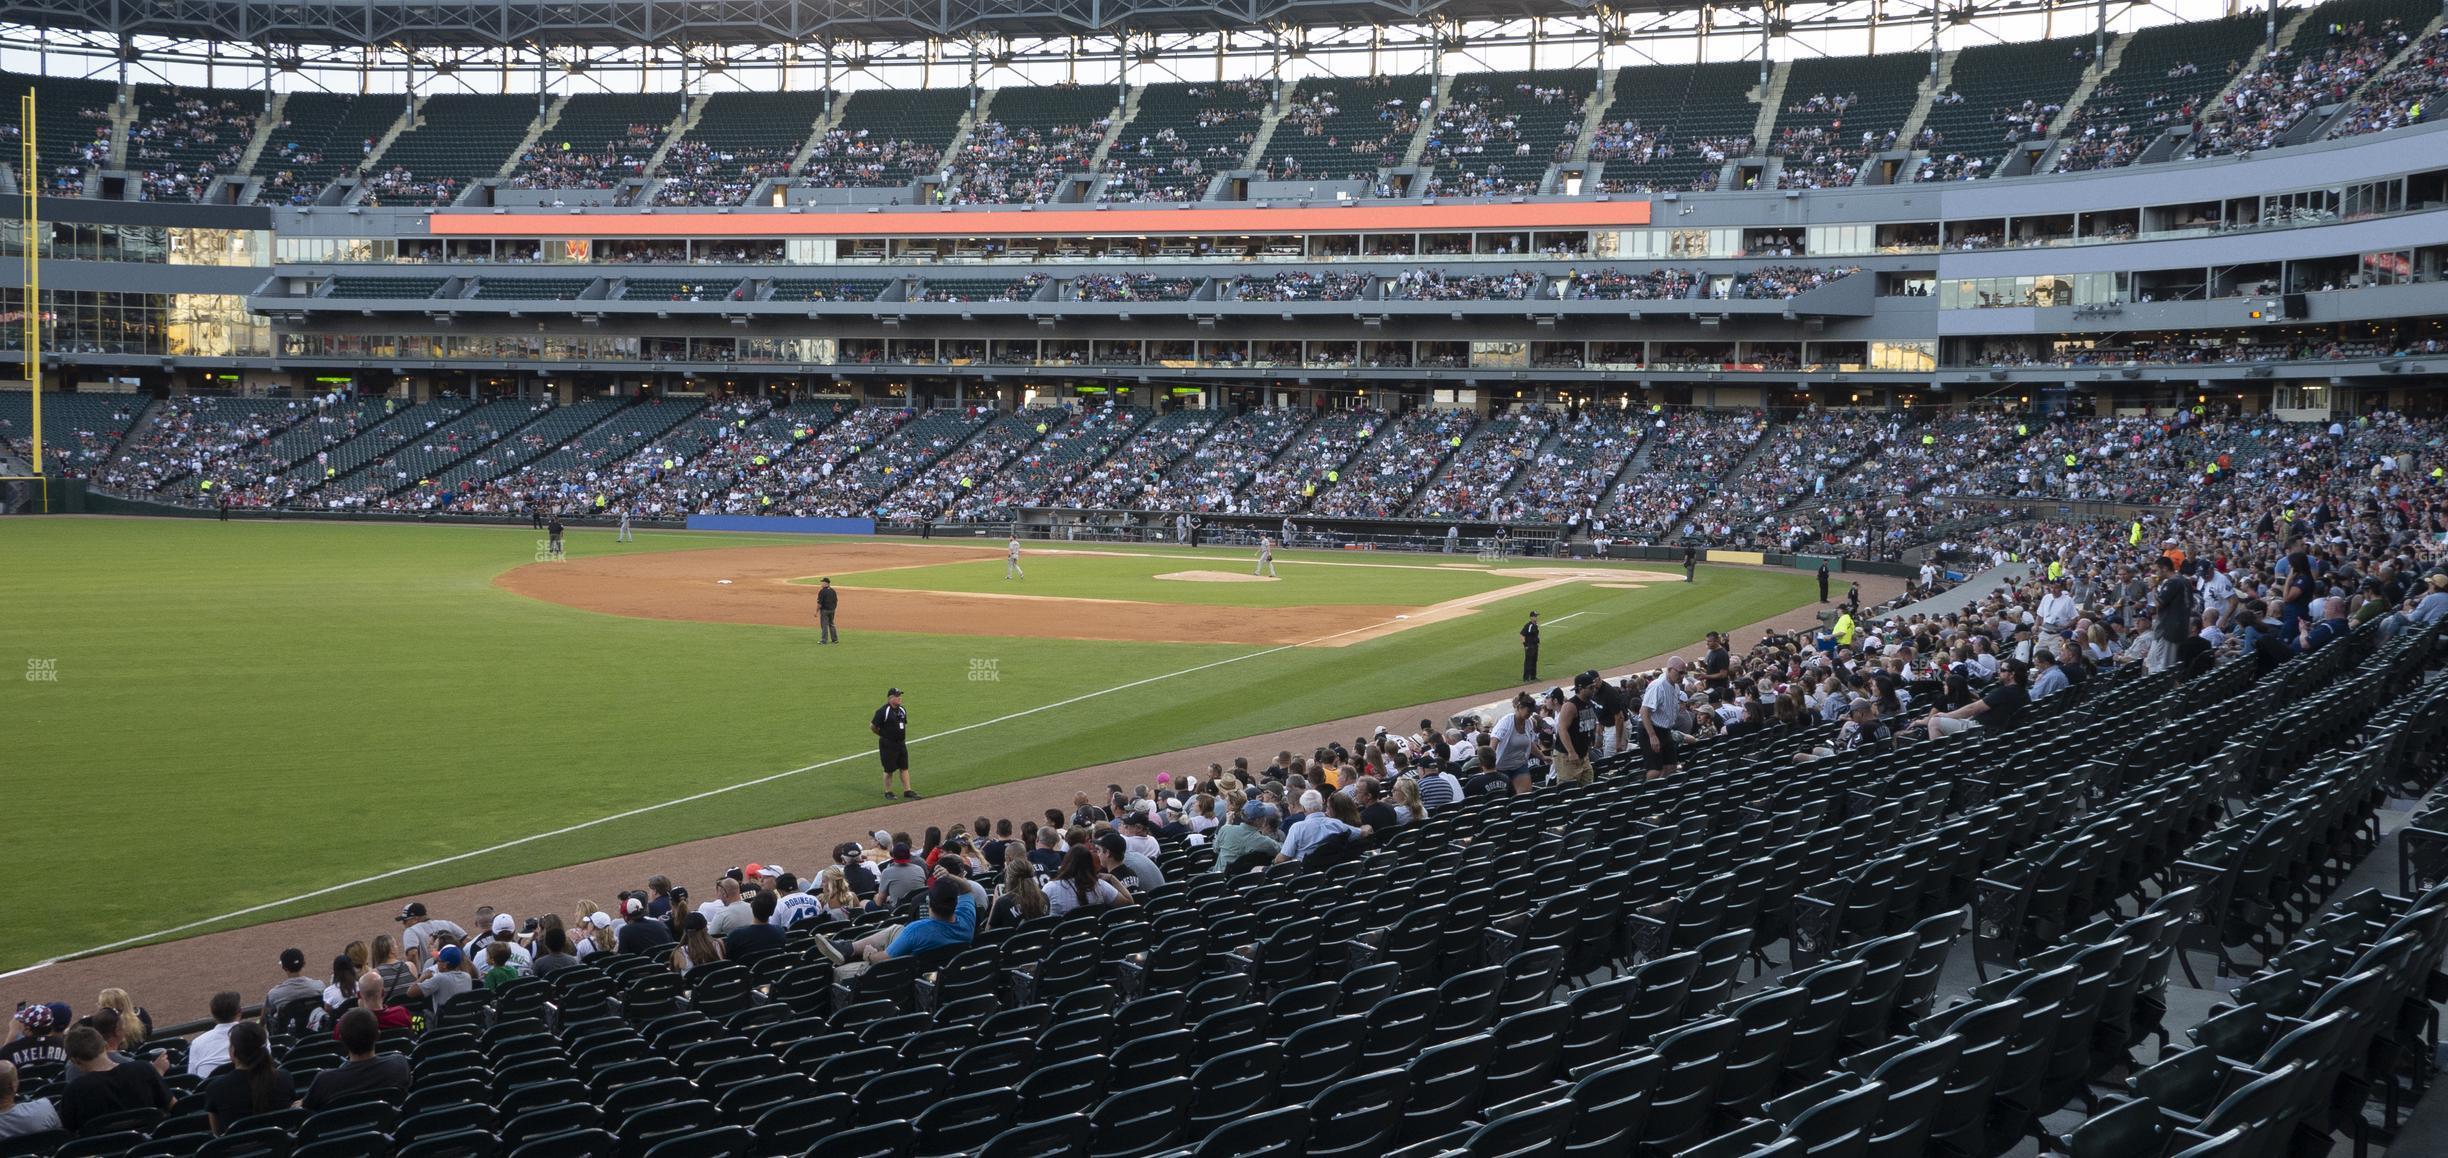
x=1438, y=791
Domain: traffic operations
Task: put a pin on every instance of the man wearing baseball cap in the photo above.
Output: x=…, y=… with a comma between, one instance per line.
x=1254, y=837
x=417, y=938
x=899, y=877
x=891, y=727
x=294, y=985
x=39, y=1040
x=449, y=978
x=640, y=933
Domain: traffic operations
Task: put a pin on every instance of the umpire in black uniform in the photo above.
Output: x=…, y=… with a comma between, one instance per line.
x=826, y=600
x=891, y=726
x=1529, y=637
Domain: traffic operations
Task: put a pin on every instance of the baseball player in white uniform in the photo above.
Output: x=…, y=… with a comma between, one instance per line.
x=625, y=536
x=1266, y=557
x=1011, y=562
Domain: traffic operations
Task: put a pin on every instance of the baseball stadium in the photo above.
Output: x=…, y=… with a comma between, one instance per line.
x=1862, y=579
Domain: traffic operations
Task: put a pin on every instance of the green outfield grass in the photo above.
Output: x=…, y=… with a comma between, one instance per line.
x=1307, y=578
x=246, y=712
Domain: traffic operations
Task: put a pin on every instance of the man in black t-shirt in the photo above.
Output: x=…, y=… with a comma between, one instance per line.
x=99, y=1084
x=758, y=937
x=1530, y=642
x=2172, y=618
x=891, y=726
x=386, y=1077
x=1717, y=666
x=828, y=601
x=1999, y=707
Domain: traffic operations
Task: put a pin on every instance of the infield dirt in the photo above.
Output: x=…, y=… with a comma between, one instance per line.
x=767, y=585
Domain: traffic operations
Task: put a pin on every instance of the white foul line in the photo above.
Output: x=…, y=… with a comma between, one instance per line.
x=643, y=810
x=1562, y=618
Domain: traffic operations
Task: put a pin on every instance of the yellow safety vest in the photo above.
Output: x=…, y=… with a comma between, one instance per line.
x=2069, y=460
x=2134, y=536
x=1334, y=476
x=2021, y=430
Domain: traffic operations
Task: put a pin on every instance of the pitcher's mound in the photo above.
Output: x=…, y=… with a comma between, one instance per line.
x=1215, y=577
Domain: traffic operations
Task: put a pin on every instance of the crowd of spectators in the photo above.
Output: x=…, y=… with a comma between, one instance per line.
x=1064, y=454
x=859, y=463
x=1378, y=483
x=2163, y=459
x=696, y=173
x=2103, y=133
x=1436, y=285
x=974, y=473
x=2400, y=96
x=226, y=441
x=1628, y=285
x=396, y=185
x=1473, y=485
x=567, y=165
x=855, y=158
x=1309, y=114
x=1020, y=290
x=2010, y=124
x=1469, y=138
x=1241, y=447
x=1780, y=282
x=1133, y=476
x=1299, y=286
x=1625, y=149
x=1803, y=456
x=2260, y=107
x=1311, y=463
x=200, y=137
x=1132, y=287
x=1696, y=450
x=2205, y=352
x=1000, y=164
x=1165, y=166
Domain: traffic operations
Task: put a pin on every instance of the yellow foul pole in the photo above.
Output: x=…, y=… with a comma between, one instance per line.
x=29, y=190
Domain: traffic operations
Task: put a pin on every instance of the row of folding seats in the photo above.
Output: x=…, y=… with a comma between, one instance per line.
x=2343, y=1008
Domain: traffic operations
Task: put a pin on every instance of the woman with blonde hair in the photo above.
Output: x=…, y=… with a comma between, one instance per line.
x=1407, y=807
x=834, y=897
x=595, y=925
x=398, y=977
x=1020, y=898
x=135, y=1024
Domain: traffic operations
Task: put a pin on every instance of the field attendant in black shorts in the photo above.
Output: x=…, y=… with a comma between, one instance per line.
x=891, y=726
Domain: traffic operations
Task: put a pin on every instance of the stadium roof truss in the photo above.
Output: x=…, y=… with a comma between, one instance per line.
x=503, y=35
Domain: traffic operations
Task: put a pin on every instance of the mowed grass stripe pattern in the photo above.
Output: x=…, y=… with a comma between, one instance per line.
x=254, y=710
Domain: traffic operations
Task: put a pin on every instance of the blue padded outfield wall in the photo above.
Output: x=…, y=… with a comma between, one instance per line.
x=781, y=524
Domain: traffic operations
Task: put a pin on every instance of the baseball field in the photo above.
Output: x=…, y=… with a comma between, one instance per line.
x=225, y=724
